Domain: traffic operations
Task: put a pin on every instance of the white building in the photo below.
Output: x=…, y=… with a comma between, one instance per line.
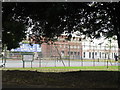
x=99, y=48
x=96, y=48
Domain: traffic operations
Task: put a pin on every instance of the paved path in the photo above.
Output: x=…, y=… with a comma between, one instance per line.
x=53, y=63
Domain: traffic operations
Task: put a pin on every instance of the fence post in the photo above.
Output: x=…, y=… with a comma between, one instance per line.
x=2, y=58
x=23, y=64
x=55, y=62
x=82, y=62
x=40, y=62
x=31, y=64
x=98, y=59
x=93, y=62
x=107, y=63
x=69, y=56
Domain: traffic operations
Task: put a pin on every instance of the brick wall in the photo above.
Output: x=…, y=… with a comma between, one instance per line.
x=62, y=48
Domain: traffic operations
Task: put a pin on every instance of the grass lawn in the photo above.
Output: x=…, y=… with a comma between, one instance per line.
x=95, y=60
x=64, y=69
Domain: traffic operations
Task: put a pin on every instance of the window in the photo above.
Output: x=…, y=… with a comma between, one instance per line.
x=75, y=53
x=68, y=53
x=112, y=55
x=84, y=54
x=73, y=38
x=79, y=39
x=62, y=52
x=89, y=54
x=100, y=54
x=105, y=55
x=93, y=55
x=71, y=53
x=78, y=53
x=96, y=53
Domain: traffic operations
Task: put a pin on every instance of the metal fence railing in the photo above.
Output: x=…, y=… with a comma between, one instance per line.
x=65, y=55
x=79, y=52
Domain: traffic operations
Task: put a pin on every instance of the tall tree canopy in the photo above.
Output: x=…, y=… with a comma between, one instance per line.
x=50, y=19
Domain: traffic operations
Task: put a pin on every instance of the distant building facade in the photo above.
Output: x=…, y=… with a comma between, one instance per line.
x=62, y=48
x=99, y=49
x=78, y=48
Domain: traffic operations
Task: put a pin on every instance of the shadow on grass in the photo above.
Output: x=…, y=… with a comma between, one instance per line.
x=72, y=79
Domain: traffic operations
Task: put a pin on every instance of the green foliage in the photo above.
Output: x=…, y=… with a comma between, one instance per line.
x=13, y=33
x=52, y=19
x=59, y=69
x=25, y=42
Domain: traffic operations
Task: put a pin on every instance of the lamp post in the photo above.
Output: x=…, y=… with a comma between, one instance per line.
x=93, y=55
x=105, y=53
x=100, y=50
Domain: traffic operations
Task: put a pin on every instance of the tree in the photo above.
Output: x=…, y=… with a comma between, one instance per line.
x=48, y=20
x=13, y=30
x=94, y=19
x=105, y=21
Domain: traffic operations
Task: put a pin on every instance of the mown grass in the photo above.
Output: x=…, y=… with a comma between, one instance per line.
x=94, y=60
x=62, y=69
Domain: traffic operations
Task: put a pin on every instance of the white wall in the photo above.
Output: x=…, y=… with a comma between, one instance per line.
x=95, y=47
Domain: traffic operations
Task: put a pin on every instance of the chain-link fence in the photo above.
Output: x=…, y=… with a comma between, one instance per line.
x=53, y=55
x=79, y=52
x=64, y=51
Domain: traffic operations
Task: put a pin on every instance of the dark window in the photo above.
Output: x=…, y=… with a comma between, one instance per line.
x=71, y=53
x=62, y=52
x=112, y=55
x=89, y=54
x=75, y=53
x=73, y=38
x=68, y=53
x=105, y=55
x=79, y=39
x=93, y=55
x=84, y=55
x=78, y=53
x=100, y=54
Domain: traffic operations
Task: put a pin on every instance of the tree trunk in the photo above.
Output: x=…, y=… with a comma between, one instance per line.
x=118, y=38
x=119, y=53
